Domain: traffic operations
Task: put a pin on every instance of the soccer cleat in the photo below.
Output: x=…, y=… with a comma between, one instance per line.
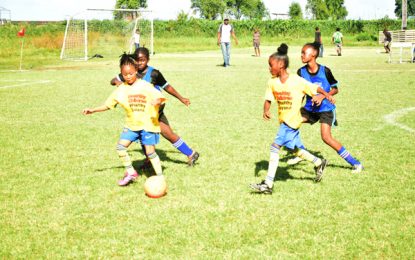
x=294, y=160
x=261, y=187
x=128, y=179
x=357, y=168
x=193, y=158
x=320, y=170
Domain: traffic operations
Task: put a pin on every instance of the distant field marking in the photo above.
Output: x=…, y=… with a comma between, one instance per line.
x=392, y=117
x=24, y=83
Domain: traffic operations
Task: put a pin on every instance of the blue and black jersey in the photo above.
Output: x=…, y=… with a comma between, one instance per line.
x=325, y=79
x=150, y=75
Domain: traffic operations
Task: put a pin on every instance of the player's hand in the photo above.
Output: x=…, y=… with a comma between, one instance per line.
x=266, y=115
x=331, y=99
x=185, y=101
x=317, y=99
x=87, y=111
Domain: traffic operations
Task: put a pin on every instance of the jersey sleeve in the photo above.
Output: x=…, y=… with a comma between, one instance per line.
x=158, y=79
x=330, y=78
x=120, y=77
x=299, y=72
x=268, y=93
x=111, y=101
x=220, y=29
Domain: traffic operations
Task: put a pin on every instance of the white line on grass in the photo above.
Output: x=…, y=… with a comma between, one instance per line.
x=27, y=83
x=392, y=117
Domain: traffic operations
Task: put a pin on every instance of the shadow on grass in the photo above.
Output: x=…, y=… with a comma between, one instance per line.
x=282, y=172
x=148, y=171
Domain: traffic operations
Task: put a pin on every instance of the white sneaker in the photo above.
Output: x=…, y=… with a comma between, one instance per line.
x=357, y=168
x=294, y=161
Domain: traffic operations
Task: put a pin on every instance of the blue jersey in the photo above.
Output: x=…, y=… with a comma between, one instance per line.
x=147, y=77
x=324, y=78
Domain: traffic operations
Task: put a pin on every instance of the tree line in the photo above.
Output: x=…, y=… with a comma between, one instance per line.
x=255, y=9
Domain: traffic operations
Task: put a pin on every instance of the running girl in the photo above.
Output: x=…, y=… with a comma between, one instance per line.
x=155, y=77
x=141, y=102
x=288, y=90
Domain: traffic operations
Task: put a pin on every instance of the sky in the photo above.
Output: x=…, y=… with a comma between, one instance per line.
x=55, y=10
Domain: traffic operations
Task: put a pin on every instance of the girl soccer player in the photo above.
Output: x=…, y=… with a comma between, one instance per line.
x=155, y=77
x=288, y=90
x=141, y=102
x=322, y=110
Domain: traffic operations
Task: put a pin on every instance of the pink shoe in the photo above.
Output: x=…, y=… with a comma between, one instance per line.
x=128, y=179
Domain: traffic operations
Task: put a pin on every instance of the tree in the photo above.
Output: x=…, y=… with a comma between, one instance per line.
x=246, y=8
x=327, y=9
x=410, y=8
x=129, y=4
x=209, y=9
x=295, y=11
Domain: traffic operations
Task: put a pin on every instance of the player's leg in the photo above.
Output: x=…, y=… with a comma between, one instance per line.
x=224, y=54
x=126, y=138
x=177, y=141
x=265, y=186
x=149, y=140
x=228, y=54
x=326, y=136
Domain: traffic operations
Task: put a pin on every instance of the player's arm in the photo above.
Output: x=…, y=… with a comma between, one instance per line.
x=332, y=81
x=219, y=34
x=266, y=114
x=158, y=79
x=117, y=80
x=326, y=95
x=172, y=91
x=89, y=111
x=234, y=37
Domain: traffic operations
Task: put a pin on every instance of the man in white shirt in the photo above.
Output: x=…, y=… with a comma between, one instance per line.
x=225, y=32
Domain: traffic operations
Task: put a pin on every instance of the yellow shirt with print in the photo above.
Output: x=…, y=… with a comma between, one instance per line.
x=136, y=101
x=289, y=97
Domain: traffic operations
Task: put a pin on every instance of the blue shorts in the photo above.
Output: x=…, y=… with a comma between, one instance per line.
x=288, y=137
x=146, y=138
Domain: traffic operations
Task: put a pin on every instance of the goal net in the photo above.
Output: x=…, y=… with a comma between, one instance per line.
x=106, y=33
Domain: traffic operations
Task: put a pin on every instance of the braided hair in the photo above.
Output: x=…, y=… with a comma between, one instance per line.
x=128, y=59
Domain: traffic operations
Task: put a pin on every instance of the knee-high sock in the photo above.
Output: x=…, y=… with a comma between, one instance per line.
x=305, y=155
x=347, y=156
x=125, y=158
x=155, y=162
x=183, y=147
x=272, y=165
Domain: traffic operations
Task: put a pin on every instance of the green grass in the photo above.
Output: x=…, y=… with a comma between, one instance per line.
x=59, y=169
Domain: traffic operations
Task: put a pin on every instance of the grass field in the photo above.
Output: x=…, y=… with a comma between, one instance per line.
x=59, y=169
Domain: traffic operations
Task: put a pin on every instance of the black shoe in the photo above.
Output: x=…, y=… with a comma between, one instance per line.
x=261, y=187
x=193, y=159
x=320, y=170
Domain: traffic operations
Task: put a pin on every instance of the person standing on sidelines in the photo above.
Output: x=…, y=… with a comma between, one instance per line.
x=387, y=41
x=317, y=39
x=137, y=38
x=225, y=32
x=319, y=109
x=337, y=39
x=257, y=42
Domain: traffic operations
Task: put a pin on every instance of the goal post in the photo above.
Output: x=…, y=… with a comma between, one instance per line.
x=106, y=33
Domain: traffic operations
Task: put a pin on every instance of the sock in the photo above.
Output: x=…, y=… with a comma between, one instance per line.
x=347, y=156
x=183, y=147
x=305, y=155
x=155, y=162
x=272, y=165
x=125, y=159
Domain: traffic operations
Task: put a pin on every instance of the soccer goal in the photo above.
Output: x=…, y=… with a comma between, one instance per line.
x=97, y=33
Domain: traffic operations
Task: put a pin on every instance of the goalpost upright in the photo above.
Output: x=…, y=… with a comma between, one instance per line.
x=82, y=40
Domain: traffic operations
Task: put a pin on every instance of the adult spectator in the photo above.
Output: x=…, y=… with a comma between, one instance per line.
x=225, y=32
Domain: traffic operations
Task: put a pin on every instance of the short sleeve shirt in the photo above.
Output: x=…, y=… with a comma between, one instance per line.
x=225, y=31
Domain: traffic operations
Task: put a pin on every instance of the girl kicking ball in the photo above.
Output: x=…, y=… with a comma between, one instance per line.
x=141, y=102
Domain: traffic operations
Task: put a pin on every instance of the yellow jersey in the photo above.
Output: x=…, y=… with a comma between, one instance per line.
x=136, y=100
x=289, y=97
